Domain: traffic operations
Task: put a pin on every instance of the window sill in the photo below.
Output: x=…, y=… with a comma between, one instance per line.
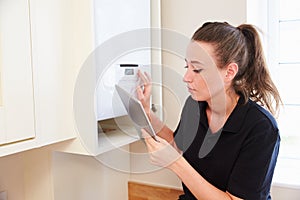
x=287, y=173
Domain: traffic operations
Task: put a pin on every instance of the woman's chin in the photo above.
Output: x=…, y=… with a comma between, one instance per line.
x=196, y=98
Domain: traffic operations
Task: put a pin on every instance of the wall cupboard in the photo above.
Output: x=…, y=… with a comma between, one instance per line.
x=44, y=44
x=38, y=71
x=16, y=70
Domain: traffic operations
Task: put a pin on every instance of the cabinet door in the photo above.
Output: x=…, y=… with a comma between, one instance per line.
x=54, y=50
x=16, y=87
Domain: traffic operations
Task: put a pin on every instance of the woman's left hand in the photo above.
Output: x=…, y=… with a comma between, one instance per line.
x=161, y=153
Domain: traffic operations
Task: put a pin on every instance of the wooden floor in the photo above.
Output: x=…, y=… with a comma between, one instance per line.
x=139, y=191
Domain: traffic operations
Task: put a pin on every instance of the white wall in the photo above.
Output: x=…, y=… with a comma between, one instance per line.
x=27, y=175
x=44, y=174
x=80, y=177
x=11, y=176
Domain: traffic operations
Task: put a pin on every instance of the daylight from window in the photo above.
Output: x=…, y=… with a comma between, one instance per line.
x=288, y=79
x=287, y=70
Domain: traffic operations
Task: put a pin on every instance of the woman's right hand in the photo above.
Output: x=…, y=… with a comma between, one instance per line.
x=144, y=90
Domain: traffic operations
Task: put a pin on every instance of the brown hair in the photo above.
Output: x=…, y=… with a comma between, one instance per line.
x=242, y=46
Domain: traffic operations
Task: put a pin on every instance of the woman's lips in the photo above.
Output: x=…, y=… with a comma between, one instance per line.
x=190, y=89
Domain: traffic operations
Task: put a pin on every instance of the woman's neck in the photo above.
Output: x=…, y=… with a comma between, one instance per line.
x=219, y=109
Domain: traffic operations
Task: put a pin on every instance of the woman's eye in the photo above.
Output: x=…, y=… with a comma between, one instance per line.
x=194, y=70
x=197, y=70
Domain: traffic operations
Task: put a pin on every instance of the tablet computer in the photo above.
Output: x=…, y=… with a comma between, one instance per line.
x=135, y=111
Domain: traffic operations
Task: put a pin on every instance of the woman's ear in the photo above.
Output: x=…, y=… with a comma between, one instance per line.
x=231, y=71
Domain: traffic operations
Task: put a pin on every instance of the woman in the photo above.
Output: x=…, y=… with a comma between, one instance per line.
x=227, y=141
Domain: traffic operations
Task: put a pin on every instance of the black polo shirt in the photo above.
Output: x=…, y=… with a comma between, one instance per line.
x=240, y=158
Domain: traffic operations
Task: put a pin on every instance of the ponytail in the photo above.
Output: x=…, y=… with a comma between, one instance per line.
x=258, y=85
x=242, y=45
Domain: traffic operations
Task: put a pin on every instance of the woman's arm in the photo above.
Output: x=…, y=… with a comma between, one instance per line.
x=160, y=128
x=163, y=154
x=201, y=188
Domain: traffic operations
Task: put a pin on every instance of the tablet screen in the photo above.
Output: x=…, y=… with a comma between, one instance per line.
x=135, y=111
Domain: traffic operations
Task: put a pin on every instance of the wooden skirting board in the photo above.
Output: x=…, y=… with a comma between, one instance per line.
x=141, y=191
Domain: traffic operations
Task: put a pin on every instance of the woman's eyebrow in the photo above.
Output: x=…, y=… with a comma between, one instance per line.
x=194, y=62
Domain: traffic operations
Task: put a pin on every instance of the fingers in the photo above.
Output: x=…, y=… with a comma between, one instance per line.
x=148, y=77
x=145, y=77
x=140, y=93
x=143, y=89
x=145, y=134
x=150, y=142
x=160, y=153
x=145, y=80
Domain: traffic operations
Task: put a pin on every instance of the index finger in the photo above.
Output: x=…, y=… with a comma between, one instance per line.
x=145, y=77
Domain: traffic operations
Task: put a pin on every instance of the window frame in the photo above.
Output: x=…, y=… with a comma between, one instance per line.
x=265, y=15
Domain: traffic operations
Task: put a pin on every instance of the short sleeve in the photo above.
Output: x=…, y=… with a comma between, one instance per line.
x=252, y=173
x=187, y=129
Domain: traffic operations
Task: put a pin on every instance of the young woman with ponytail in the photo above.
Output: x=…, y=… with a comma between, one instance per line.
x=227, y=141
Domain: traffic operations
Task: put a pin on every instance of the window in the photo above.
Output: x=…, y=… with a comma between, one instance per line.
x=284, y=57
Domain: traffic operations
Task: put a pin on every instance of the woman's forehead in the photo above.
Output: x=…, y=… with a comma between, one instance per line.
x=199, y=52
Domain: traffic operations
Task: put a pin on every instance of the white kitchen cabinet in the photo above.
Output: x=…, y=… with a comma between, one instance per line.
x=16, y=80
x=42, y=46
x=54, y=45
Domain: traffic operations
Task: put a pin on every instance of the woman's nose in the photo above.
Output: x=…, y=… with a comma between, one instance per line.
x=187, y=78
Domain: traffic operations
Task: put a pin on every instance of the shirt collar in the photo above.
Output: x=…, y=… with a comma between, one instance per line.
x=237, y=117
x=234, y=121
